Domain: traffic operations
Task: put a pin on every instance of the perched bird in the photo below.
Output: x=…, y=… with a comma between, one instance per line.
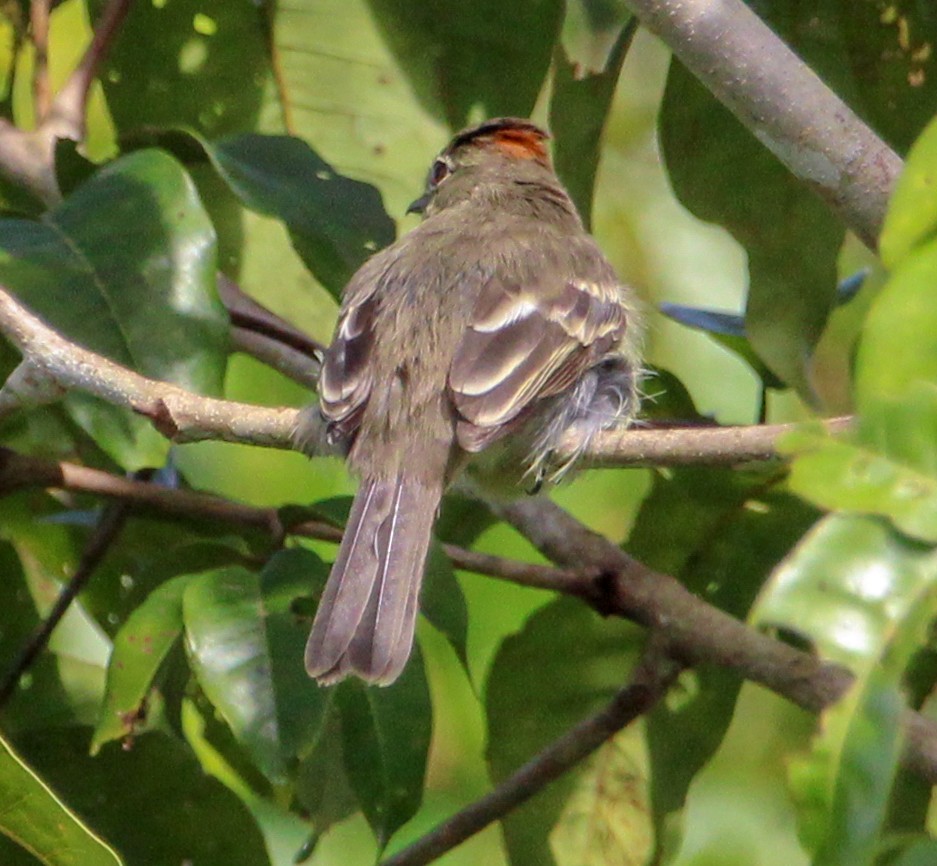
x=495, y=326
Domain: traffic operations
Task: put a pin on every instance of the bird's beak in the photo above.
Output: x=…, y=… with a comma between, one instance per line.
x=419, y=206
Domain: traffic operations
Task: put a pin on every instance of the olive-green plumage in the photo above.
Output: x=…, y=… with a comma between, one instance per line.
x=496, y=325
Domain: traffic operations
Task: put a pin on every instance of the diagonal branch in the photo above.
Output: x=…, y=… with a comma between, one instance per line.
x=650, y=682
x=783, y=102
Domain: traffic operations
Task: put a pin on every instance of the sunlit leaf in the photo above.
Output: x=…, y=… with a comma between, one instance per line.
x=140, y=647
x=126, y=266
x=32, y=815
x=864, y=596
x=886, y=466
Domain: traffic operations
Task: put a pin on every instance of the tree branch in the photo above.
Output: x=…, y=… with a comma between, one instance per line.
x=783, y=102
x=176, y=413
x=650, y=682
x=39, y=27
x=52, y=365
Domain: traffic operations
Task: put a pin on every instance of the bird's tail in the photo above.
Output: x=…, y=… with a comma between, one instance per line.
x=367, y=614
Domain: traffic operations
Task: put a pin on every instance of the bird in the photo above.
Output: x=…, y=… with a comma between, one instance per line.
x=473, y=344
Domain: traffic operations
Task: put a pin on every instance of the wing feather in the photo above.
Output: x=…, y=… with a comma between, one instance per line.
x=523, y=346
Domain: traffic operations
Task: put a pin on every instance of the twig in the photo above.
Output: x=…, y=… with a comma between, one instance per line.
x=651, y=681
x=108, y=527
x=176, y=413
x=688, y=446
x=783, y=102
x=67, y=114
x=39, y=26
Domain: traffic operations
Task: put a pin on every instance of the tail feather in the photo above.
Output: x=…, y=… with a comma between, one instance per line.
x=367, y=614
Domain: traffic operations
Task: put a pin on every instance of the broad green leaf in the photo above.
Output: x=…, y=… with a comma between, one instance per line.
x=385, y=742
x=565, y=664
x=154, y=801
x=579, y=106
x=911, y=220
x=864, y=596
x=300, y=704
x=442, y=601
x=126, y=266
x=887, y=466
x=322, y=786
x=898, y=346
x=241, y=652
x=334, y=223
x=340, y=88
x=465, y=59
x=33, y=816
x=207, y=69
x=724, y=175
x=140, y=648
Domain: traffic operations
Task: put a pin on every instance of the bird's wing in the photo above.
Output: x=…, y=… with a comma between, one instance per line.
x=525, y=343
x=346, y=378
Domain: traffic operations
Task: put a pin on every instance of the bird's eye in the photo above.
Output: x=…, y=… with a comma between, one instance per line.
x=439, y=172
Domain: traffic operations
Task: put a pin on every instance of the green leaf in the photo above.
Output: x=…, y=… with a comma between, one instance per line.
x=724, y=175
x=140, y=647
x=33, y=816
x=579, y=107
x=207, y=70
x=922, y=852
x=462, y=58
x=911, y=220
x=442, y=601
x=154, y=801
x=322, y=786
x=334, y=223
x=564, y=665
x=886, y=466
x=147, y=301
x=247, y=657
x=865, y=596
x=385, y=741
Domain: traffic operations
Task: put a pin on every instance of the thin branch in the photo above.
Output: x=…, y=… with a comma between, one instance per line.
x=783, y=102
x=39, y=27
x=688, y=446
x=67, y=114
x=649, y=684
x=250, y=315
x=176, y=413
x=105, y=533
